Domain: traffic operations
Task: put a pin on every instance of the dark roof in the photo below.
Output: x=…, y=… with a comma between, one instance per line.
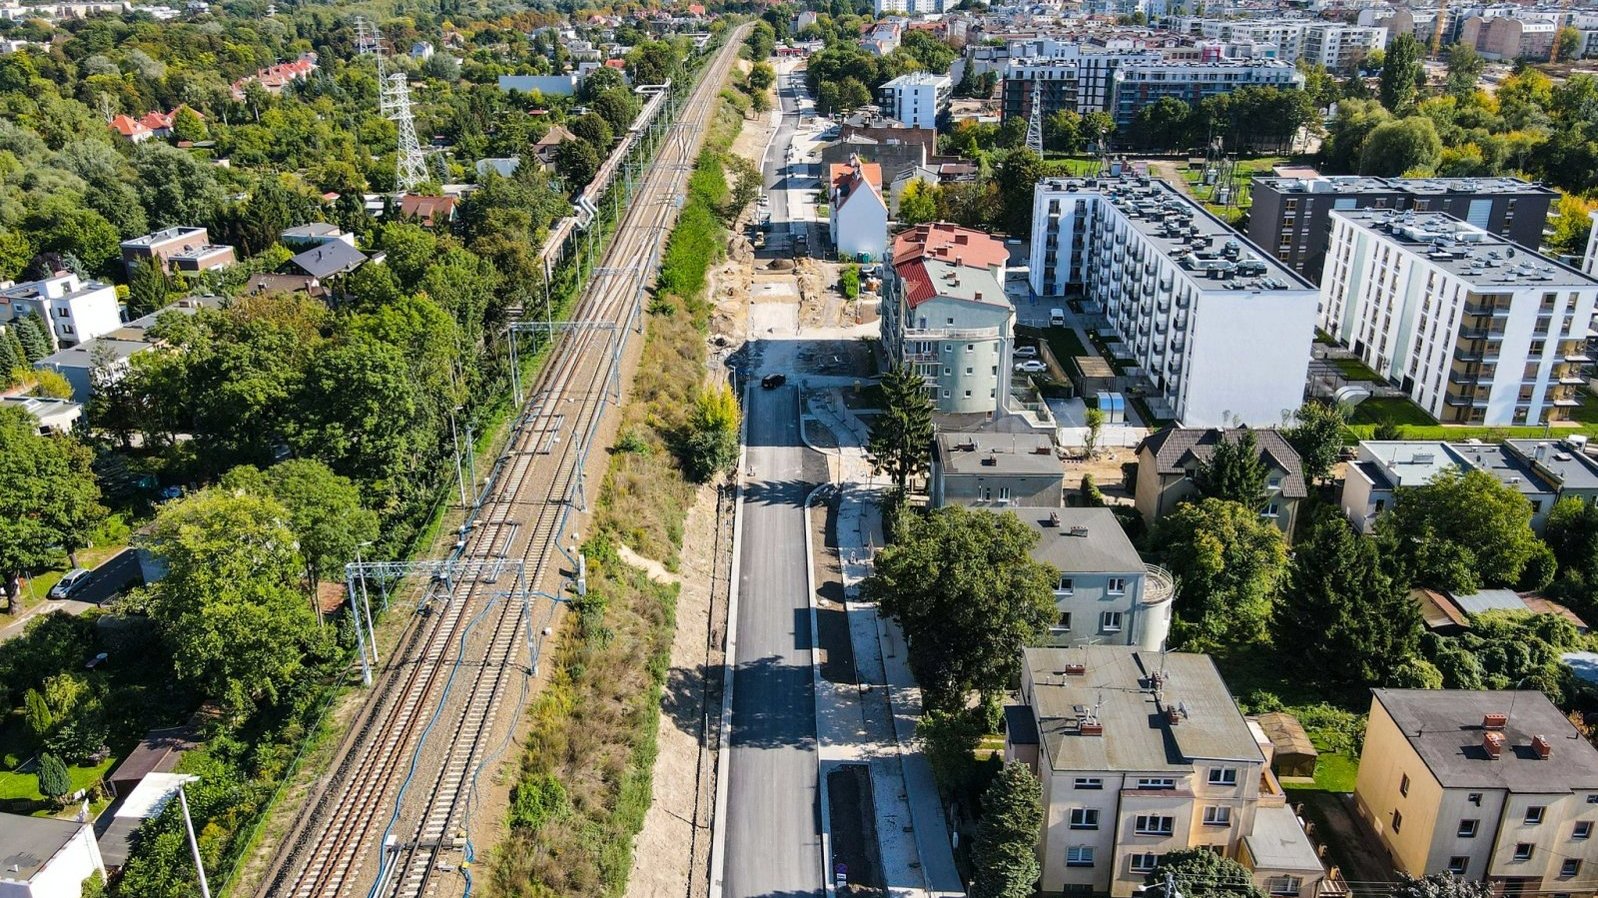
x=283, y=283
x=1019, y=725
x=1444, y=727
x=159, y=751
x=1175, y=448
x=325, y=260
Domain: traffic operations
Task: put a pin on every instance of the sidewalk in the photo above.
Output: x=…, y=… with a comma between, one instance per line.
x=916, y=856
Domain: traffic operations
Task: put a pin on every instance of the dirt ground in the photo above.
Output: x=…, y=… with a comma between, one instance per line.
x=1105, y=467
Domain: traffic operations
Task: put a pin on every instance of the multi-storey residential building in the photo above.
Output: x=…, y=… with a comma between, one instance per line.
x=857, y=213
x=917, y=98
x=1487, y=785
x=177, y=249
x=1341, y=47
x=1168, y=463
x=1104, y=593
x=989, y=468
x=1474, y=328
x=1289, y=216
x=73, y=310
x=1382, y=467
x=1142, y=753
x=1221, y=331
x=1509, y=37
x=944, y=311
x=1071, y=75
x=1141, y=84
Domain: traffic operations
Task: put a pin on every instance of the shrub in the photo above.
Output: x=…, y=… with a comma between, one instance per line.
x=54, y=782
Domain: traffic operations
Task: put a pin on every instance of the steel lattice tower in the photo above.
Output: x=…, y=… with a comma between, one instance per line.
x=1034, y=122
x=394, y=104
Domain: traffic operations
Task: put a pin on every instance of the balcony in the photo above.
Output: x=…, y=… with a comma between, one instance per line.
x=1159, y=586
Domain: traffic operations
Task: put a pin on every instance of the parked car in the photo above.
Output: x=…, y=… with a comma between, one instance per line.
x=70, y=583
x=1056, y=317
x=1026, y=352
x=773, y=381
x=1031, y=366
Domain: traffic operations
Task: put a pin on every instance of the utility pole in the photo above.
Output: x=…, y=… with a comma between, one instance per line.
x=194, y=845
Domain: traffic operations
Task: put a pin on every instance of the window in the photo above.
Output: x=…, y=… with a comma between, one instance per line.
x=1593, y=798
x=1084, y=818
x=1063, y=625
x=1468, y=828
x=1217, y=815
x=1583, y=829
x=1157, y=782
x=1570, y=867
x=1475, y=798
x=1284, y=885
x=1079, y=856
x=1144, y=863
x=1223, y=776
x=1403, y=785
x=1110, y=622
x=1534, y=815
x=1088, y=782
x=1066, y=586
x=1154, y=825
x=1398, y=820
x=1523, y=851
x=1458, y=864
x=1117, y=586
x=970, y=347
x=948, y=371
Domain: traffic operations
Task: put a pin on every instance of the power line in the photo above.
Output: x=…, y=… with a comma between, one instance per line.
x=394, y=104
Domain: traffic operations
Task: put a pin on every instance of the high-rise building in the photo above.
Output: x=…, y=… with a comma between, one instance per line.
x=917, y=98
x=1474, y=328
x=1220, y=330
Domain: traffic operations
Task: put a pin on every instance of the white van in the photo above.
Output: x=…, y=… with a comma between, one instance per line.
x=1057, y=318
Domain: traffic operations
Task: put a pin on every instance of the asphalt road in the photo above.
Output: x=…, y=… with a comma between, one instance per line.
x=780, y=176
x=773, y=847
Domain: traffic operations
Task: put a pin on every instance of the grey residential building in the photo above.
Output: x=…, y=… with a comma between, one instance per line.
x=1291, y=217
x=997, y=469
x=1104, y=593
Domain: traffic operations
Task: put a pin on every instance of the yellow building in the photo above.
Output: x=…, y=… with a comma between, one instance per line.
x=1490, y=785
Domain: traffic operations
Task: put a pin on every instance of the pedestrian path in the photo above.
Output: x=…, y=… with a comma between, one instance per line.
x=914, y=841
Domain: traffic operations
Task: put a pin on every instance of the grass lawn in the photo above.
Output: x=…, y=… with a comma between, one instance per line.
x=24, y=787
x=1354, y=369
x=1397, y=410
x=1335, y=772
x=1587, y=412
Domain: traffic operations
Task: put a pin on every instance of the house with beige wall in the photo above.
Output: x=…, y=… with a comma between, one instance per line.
x=1484, y=784
x=1168, y=463
x=1142, y=753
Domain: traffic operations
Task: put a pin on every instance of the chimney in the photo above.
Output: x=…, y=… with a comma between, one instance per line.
x=1542, y=746
x=1172, y=715
x=1090, y=728
x=1054, y=519
x=1074, y=670
x=1493, y=744
x=1494, y=721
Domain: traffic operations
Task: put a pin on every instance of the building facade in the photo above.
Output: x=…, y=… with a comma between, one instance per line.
x=1000, y=470
x=857, y=212
x=177, y=249
x=1221, y=331
x=73, y=310
x=1290, y=217
x=1123, y=82
x=917, y=98
x=1475, y=329
x=1142, y=84
x=1486, y=785
x=1168, y=462
x=1339, y=47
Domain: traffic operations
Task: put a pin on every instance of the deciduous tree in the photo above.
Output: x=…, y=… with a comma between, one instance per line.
x=1401, y=74
x=49, y=498
x=1439, y=885
x=1461, y=532
x=1317, y=436
x=1201, y=873
x=1230, y=562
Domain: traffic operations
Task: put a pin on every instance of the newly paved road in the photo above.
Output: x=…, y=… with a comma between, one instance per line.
x=780, y=175
x=773, y=847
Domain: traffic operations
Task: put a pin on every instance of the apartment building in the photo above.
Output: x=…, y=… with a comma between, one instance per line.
x=917, y=98
x=1141, y=753
x=1509, y=37
x=1069, y=75
x=1290, y=216
x=1341, y=47
x=989, y=468
x=945, y=312
x=1139, y=85
x=1220, y=331
x=1382, y=467
x=74, y=310
x=1487, y=785
x=1475, y=329
x=1104, y=593
x=1121, y=83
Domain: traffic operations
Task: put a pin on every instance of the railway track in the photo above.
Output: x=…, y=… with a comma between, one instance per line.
x=395, y=811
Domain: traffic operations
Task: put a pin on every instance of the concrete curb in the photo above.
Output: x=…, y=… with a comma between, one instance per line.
x=816, y=687
x=718, y=832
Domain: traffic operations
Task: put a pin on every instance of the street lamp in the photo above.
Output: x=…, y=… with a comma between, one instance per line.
x=194, y=845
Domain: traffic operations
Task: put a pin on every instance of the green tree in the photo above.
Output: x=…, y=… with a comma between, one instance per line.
x=1465, y=66
x=1018, y=177
x=324, y=511
x=964, y=586
x=1162, y=125
x=1572, y=224
x=918, y=202
x=33, y=336
x=1439, y=885
x=761, y=42
x=1094, y=418
x=176, y=187
x=1461, y=532
x=1317, y=436
x=1201, y=873
x=1004, y=856
x=617, y=107
x=236, y=627
x=849, y=281
x=1230, y=562
x=148, y=287
x=1345, y=139
x=712, y=434
x=948, y=739
x=1335, y=588
x=1402, y=147
x=1235, y=470
x=12, y=358
x=1089, y=492
x=50, y=502
x=900, y=441
x=1572, y=535
x=578, y=162
x=592, y=127
x=15, y=251
x=1567, y=44
x=1062, y=131
x=1401, y=74
x=37, y=714
x=54, y=781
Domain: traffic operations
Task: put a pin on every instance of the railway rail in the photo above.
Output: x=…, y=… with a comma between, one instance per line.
x=395, y=812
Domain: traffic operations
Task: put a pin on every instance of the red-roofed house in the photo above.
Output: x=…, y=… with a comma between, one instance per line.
x=944, y=312
x=618, y=64
x=857, y=216
x=429, y=210
x=131, y=129
x=160, y=123
x=275, y=78
x=696, y=9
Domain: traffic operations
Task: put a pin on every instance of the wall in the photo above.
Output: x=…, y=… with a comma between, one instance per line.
x=1387, y=758
x=1249, y=374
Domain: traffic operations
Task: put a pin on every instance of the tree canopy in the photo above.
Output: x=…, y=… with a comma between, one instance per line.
x=1464, y=531
x=1004, y=856
x=49, y=501
x=900, y=441
x=1229, y=561
x=1235, y=471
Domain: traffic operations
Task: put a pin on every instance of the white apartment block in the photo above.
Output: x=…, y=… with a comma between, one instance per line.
x=1221, y=331
x=1340, y=47
x=1140, y=84
x=1142, y=753
x=74, y=310
x=917, y=98
x=1475, y=329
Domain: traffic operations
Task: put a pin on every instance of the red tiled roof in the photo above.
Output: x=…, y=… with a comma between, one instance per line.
x=128, y=126
x=841, y=172
x=428, y=208
x=918, y=286
x=949, y=243
x=616, y=63
x=155, y=121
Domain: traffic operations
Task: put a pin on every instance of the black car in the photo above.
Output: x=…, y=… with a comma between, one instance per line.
x=773, y=381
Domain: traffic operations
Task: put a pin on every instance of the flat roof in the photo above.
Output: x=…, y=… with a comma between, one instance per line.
x=1571, y=465
x=1078, y=540
x=1013, y=453
x=29, y=843
x=1116, y=690
x=1278, y=842
x=1412, y=462
x=162, y=236
x=1481, y=259
x=1188, y=234
x=1488, y=600
x=1356, y=184
x=1510, y=469
x=1444, y=726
